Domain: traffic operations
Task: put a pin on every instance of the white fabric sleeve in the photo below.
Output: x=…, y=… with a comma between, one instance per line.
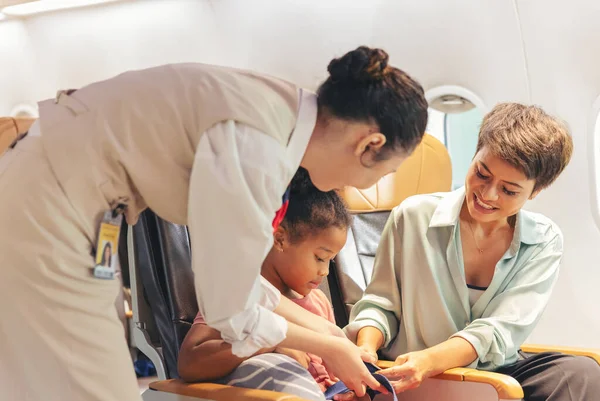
x=236, y=186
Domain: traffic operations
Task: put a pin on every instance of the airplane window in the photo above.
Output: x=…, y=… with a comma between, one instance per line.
x=455, y=121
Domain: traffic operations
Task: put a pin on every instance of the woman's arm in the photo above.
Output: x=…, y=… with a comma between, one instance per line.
x=370, y=339
x=512, y=314
x=509, y=319
x=451, y=353
x=205, y=356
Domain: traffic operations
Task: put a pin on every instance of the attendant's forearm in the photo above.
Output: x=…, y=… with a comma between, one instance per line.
x=294, y=313
x=303, y=339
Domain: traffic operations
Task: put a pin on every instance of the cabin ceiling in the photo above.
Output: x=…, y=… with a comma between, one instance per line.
x=6, y=3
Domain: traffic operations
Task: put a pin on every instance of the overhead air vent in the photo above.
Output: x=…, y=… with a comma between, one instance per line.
x=451, y=104
x=24, y=111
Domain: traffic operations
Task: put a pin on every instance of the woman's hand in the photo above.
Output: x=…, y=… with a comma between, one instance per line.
x=409, y=371
x=345, y=361
x=301, y=357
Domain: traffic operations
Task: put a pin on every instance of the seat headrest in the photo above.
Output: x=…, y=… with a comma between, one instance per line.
x=10, y=128
x=427, y=170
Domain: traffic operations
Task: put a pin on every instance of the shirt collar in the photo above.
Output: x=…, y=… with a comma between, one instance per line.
x=447, y=211
x=527, y=229
x=305, y=124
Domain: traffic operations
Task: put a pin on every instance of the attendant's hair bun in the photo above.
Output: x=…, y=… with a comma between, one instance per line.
x=362, y=65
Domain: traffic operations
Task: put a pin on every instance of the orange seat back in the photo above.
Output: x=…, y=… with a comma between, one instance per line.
x=10, y=128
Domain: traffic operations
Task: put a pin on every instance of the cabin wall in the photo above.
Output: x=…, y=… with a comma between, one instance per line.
x=16, y=67
x=563, y=57
x=541, y=51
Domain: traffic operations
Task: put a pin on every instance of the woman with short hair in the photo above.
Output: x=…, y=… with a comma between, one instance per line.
x=462, y=278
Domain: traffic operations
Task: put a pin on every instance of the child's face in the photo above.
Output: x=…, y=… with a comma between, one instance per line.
x=303, y=265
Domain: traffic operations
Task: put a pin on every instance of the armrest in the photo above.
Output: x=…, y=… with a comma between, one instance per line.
x=506, y=387
x=219, y=392
x=536, y=349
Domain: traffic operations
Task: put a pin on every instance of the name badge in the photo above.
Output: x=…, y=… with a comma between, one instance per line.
x=107, y=245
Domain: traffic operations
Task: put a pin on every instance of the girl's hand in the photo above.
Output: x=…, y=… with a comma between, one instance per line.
x=368, y=354
x=345, y=361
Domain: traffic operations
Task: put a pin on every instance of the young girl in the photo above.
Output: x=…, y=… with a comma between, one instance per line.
x=311, y=234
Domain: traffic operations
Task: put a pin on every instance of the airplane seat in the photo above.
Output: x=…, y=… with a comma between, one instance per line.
x=10, y=128
x=163, y=261
x=427, y=170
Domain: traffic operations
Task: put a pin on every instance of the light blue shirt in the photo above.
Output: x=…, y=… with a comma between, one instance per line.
x=418, y=296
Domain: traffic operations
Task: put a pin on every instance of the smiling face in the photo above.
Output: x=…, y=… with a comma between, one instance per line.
x=495, y=190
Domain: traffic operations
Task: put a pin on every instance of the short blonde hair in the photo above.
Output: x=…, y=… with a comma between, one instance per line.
x=528, y=139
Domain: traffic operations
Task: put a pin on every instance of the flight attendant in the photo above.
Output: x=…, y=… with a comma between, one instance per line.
x=210, y=147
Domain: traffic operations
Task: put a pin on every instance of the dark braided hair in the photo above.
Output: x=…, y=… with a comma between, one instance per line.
x=311, y=210
x=363, y=87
